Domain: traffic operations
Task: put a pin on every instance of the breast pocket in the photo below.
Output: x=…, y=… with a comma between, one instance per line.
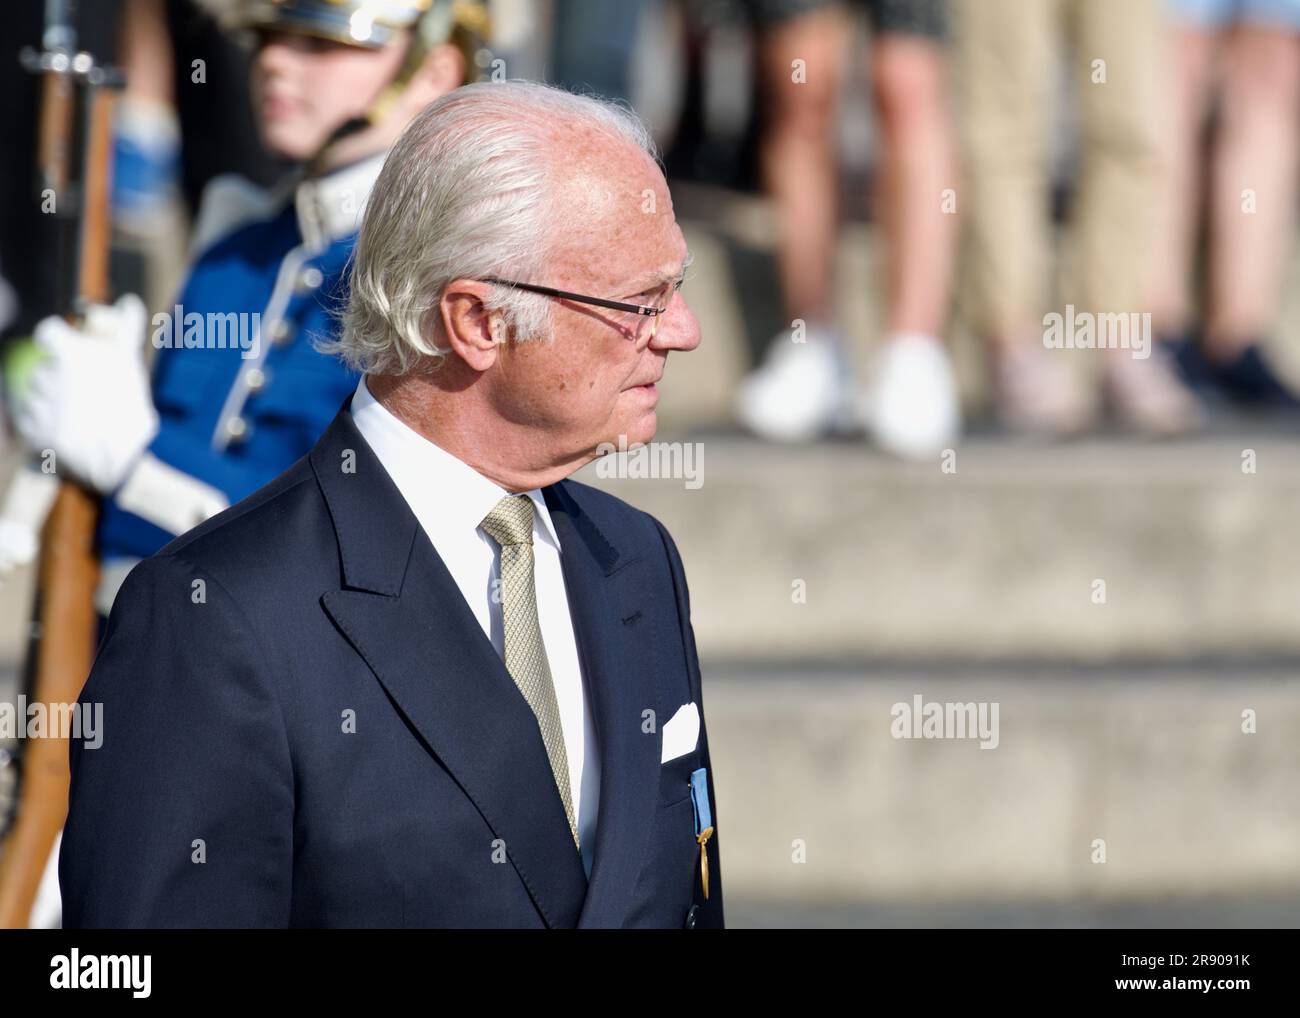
x=667, y=878
x=675, y=778
x=676, y=857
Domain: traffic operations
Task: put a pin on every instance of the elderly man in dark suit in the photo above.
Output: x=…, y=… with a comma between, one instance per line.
x=422, y=678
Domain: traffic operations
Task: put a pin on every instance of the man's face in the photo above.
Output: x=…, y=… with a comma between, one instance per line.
x=594, y=380
x=305, y=87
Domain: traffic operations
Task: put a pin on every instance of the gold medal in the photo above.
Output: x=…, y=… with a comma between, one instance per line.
x=704, y=860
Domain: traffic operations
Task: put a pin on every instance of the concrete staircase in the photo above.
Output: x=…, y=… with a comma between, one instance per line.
x=1120, y=721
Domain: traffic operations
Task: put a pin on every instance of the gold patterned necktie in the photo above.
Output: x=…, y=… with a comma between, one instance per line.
x=510, y=524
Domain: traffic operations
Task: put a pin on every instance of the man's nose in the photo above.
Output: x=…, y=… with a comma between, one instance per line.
x=678, y=327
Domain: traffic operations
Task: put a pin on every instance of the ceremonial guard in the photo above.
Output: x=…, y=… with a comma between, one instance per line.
x=238, y=391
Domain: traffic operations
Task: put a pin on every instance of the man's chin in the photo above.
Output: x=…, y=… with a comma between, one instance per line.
x=640, y=432
x=643, y=431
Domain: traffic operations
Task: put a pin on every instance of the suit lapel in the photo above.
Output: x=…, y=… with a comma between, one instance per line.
x=605, y=601
x=403, y=613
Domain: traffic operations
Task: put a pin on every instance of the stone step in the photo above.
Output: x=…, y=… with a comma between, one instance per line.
x=1152, y=761
x=1089, y=550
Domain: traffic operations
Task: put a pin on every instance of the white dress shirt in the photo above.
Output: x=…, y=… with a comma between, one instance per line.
x=450, y=499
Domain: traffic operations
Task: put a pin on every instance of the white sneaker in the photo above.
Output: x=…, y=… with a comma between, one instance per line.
x=911, y=407
x=800, y=392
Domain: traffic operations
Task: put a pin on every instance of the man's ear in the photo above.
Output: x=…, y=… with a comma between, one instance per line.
x=473, y=333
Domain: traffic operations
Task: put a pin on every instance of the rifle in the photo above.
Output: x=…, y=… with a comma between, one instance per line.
x=75, y=150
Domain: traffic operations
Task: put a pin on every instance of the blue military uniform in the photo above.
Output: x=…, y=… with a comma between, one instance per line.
x=232, y=418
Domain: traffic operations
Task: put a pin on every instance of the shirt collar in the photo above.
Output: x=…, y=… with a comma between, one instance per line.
x=329, y=207
x=448, y=496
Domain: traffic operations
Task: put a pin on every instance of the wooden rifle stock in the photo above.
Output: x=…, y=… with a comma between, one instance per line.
x=62, y=644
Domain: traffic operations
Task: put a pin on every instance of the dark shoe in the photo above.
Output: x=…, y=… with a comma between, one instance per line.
x=1193, y=368
x=1249, y=379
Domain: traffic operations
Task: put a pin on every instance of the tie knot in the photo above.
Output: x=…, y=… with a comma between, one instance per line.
x=510, y=521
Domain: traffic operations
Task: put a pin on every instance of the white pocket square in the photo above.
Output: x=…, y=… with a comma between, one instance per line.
x=681, y=732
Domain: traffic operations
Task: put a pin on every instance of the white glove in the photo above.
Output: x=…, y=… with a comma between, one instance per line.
x=88, y=399
x=27, y=503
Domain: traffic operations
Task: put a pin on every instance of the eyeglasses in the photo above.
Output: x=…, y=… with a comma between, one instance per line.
x=617, y=305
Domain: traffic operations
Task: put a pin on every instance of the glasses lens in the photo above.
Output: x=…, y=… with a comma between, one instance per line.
x=645, y=327
x=639, y=325
x=647, y=324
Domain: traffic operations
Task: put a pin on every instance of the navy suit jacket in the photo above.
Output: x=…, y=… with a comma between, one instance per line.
x=304, y=725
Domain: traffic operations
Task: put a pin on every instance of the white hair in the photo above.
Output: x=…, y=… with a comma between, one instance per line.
x=464, y=194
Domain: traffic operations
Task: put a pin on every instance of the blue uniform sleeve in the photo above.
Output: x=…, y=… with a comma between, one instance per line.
x=193, y=453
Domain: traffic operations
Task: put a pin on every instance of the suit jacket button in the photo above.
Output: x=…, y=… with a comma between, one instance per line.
x=690, y=917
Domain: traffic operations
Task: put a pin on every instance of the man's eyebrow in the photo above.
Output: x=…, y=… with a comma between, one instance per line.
x=661, y=278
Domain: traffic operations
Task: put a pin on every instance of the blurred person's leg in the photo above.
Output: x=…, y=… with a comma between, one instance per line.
x=1252, y=197
x=910, y=90
x=1188, y=62
x=801, y=390
x=1006, y=50
x=912, y=404
x=798, y=152
x=1118, y=82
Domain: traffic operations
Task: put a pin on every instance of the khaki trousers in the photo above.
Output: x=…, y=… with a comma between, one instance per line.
x=1009, y=59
